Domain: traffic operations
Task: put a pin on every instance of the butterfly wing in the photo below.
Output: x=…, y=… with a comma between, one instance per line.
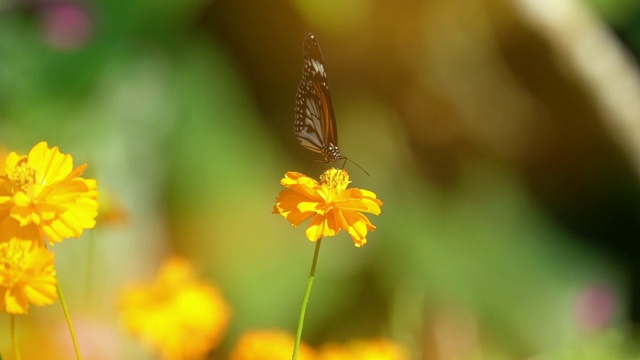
x=315, y=124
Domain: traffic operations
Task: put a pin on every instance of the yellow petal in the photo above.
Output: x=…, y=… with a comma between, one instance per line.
x=51, y=165
x=11, y=162
x=354, y=199
x=362, y=205
x=42, y=293
x=306, y=206
x=15, y=301
x=316, y=228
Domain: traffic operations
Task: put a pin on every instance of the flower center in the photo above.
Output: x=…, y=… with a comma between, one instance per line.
x=23, y=177
x=337, y=179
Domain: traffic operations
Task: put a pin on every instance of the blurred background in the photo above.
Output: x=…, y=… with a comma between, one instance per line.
x=502, y=136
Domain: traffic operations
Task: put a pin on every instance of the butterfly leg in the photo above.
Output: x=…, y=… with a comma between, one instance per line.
x=315, y=161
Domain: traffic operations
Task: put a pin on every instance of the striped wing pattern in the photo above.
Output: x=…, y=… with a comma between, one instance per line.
x=315, y=124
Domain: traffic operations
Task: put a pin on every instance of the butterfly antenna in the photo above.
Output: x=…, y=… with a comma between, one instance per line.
x=354, y=163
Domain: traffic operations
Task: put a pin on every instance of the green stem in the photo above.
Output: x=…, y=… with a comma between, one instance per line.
x=69, y=324
x=90, y=266
x=14, y=338
x=305, y=300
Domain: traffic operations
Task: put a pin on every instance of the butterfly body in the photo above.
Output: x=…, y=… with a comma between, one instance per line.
x=315, y=122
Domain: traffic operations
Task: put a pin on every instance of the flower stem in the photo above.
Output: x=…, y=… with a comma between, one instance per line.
x=63, y=303
x=305, y=300
x=14, y=338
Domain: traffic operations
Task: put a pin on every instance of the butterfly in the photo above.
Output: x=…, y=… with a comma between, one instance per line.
x=315, y=122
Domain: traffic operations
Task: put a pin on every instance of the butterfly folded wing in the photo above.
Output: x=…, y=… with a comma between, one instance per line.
x=315, y=124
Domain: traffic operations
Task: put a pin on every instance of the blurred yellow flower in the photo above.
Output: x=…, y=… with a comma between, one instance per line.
x=27, y=276
x=3, y=155
x=269, y=345
x=43, y=197
x=332, y=206
x=177, y=316
x=360, y=349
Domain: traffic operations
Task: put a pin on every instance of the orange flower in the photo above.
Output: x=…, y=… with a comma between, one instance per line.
x=269, y=345
x=27, y=276
x=378, y=349
x=177, y=315
x=112, y=210
x=42, y=196
x=329, y=203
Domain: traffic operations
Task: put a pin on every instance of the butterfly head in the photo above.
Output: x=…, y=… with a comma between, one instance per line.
x=332, y=153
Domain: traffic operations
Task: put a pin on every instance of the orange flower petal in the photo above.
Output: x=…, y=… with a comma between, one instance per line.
x=357, y=225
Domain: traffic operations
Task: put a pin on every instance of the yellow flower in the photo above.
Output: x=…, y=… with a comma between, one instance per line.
x=378, y=349
x=27, y=276
x=177, y=316
x=3, y=155
x=42, y=196
x=269, y=345
x=329, y=203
